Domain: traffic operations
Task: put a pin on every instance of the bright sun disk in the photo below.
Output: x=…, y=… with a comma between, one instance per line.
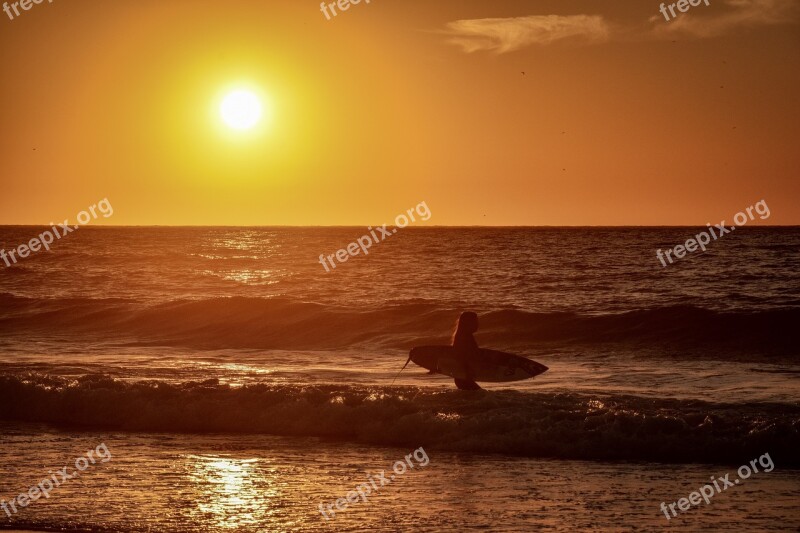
x=240, y=110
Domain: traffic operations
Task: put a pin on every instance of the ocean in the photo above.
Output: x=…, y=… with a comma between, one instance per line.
x=238, y=385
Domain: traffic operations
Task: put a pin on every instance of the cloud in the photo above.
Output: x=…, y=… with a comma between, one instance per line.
x=741, y=14
x=721, y=17
x=509, y=34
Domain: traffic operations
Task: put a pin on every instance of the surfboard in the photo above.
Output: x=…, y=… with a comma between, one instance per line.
x=488, y=366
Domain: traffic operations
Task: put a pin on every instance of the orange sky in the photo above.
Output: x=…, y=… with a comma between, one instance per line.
x=620, y=117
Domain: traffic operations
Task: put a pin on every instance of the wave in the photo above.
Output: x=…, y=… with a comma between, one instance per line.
x=282, y=323
x=560, y=425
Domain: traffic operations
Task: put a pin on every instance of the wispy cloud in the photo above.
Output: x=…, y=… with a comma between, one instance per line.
x=508, y=34
x=738, y=14
x=721, y=17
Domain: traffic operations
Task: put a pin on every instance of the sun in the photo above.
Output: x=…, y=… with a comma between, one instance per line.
x=241, y=109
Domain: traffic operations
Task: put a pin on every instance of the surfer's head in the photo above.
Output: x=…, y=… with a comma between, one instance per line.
x=468, y=322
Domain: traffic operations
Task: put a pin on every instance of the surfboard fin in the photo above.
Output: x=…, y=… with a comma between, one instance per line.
x=404, y=367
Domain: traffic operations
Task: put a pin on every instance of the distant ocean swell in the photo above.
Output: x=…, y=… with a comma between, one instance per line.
x=282, y=323
x=534, y=425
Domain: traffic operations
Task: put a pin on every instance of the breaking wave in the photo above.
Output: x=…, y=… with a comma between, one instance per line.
x=282, y=323
x=569, y=426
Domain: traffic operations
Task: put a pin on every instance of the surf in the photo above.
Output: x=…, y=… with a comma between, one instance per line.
x=554, y=424
x=288, y=323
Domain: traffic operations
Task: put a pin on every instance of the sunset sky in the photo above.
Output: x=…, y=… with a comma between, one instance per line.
x=494, y=112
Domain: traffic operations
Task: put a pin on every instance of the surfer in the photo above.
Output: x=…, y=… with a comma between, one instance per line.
x=466, y=348
x=465, y=362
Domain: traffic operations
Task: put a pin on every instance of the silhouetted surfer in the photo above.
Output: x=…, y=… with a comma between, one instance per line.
x=464, y=361
x=466, y=348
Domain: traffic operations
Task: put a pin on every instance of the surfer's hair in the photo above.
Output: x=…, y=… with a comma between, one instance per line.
x=467, y=324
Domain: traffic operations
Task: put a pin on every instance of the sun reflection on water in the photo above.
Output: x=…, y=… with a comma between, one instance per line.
x=231, y=493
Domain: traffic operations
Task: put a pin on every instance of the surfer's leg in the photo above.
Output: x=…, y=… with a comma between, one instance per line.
x=467, y=384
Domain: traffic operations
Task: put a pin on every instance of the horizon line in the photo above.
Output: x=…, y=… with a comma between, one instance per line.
x=511, y=226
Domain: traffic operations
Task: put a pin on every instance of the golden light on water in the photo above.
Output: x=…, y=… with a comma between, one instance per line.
x=232, y=493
